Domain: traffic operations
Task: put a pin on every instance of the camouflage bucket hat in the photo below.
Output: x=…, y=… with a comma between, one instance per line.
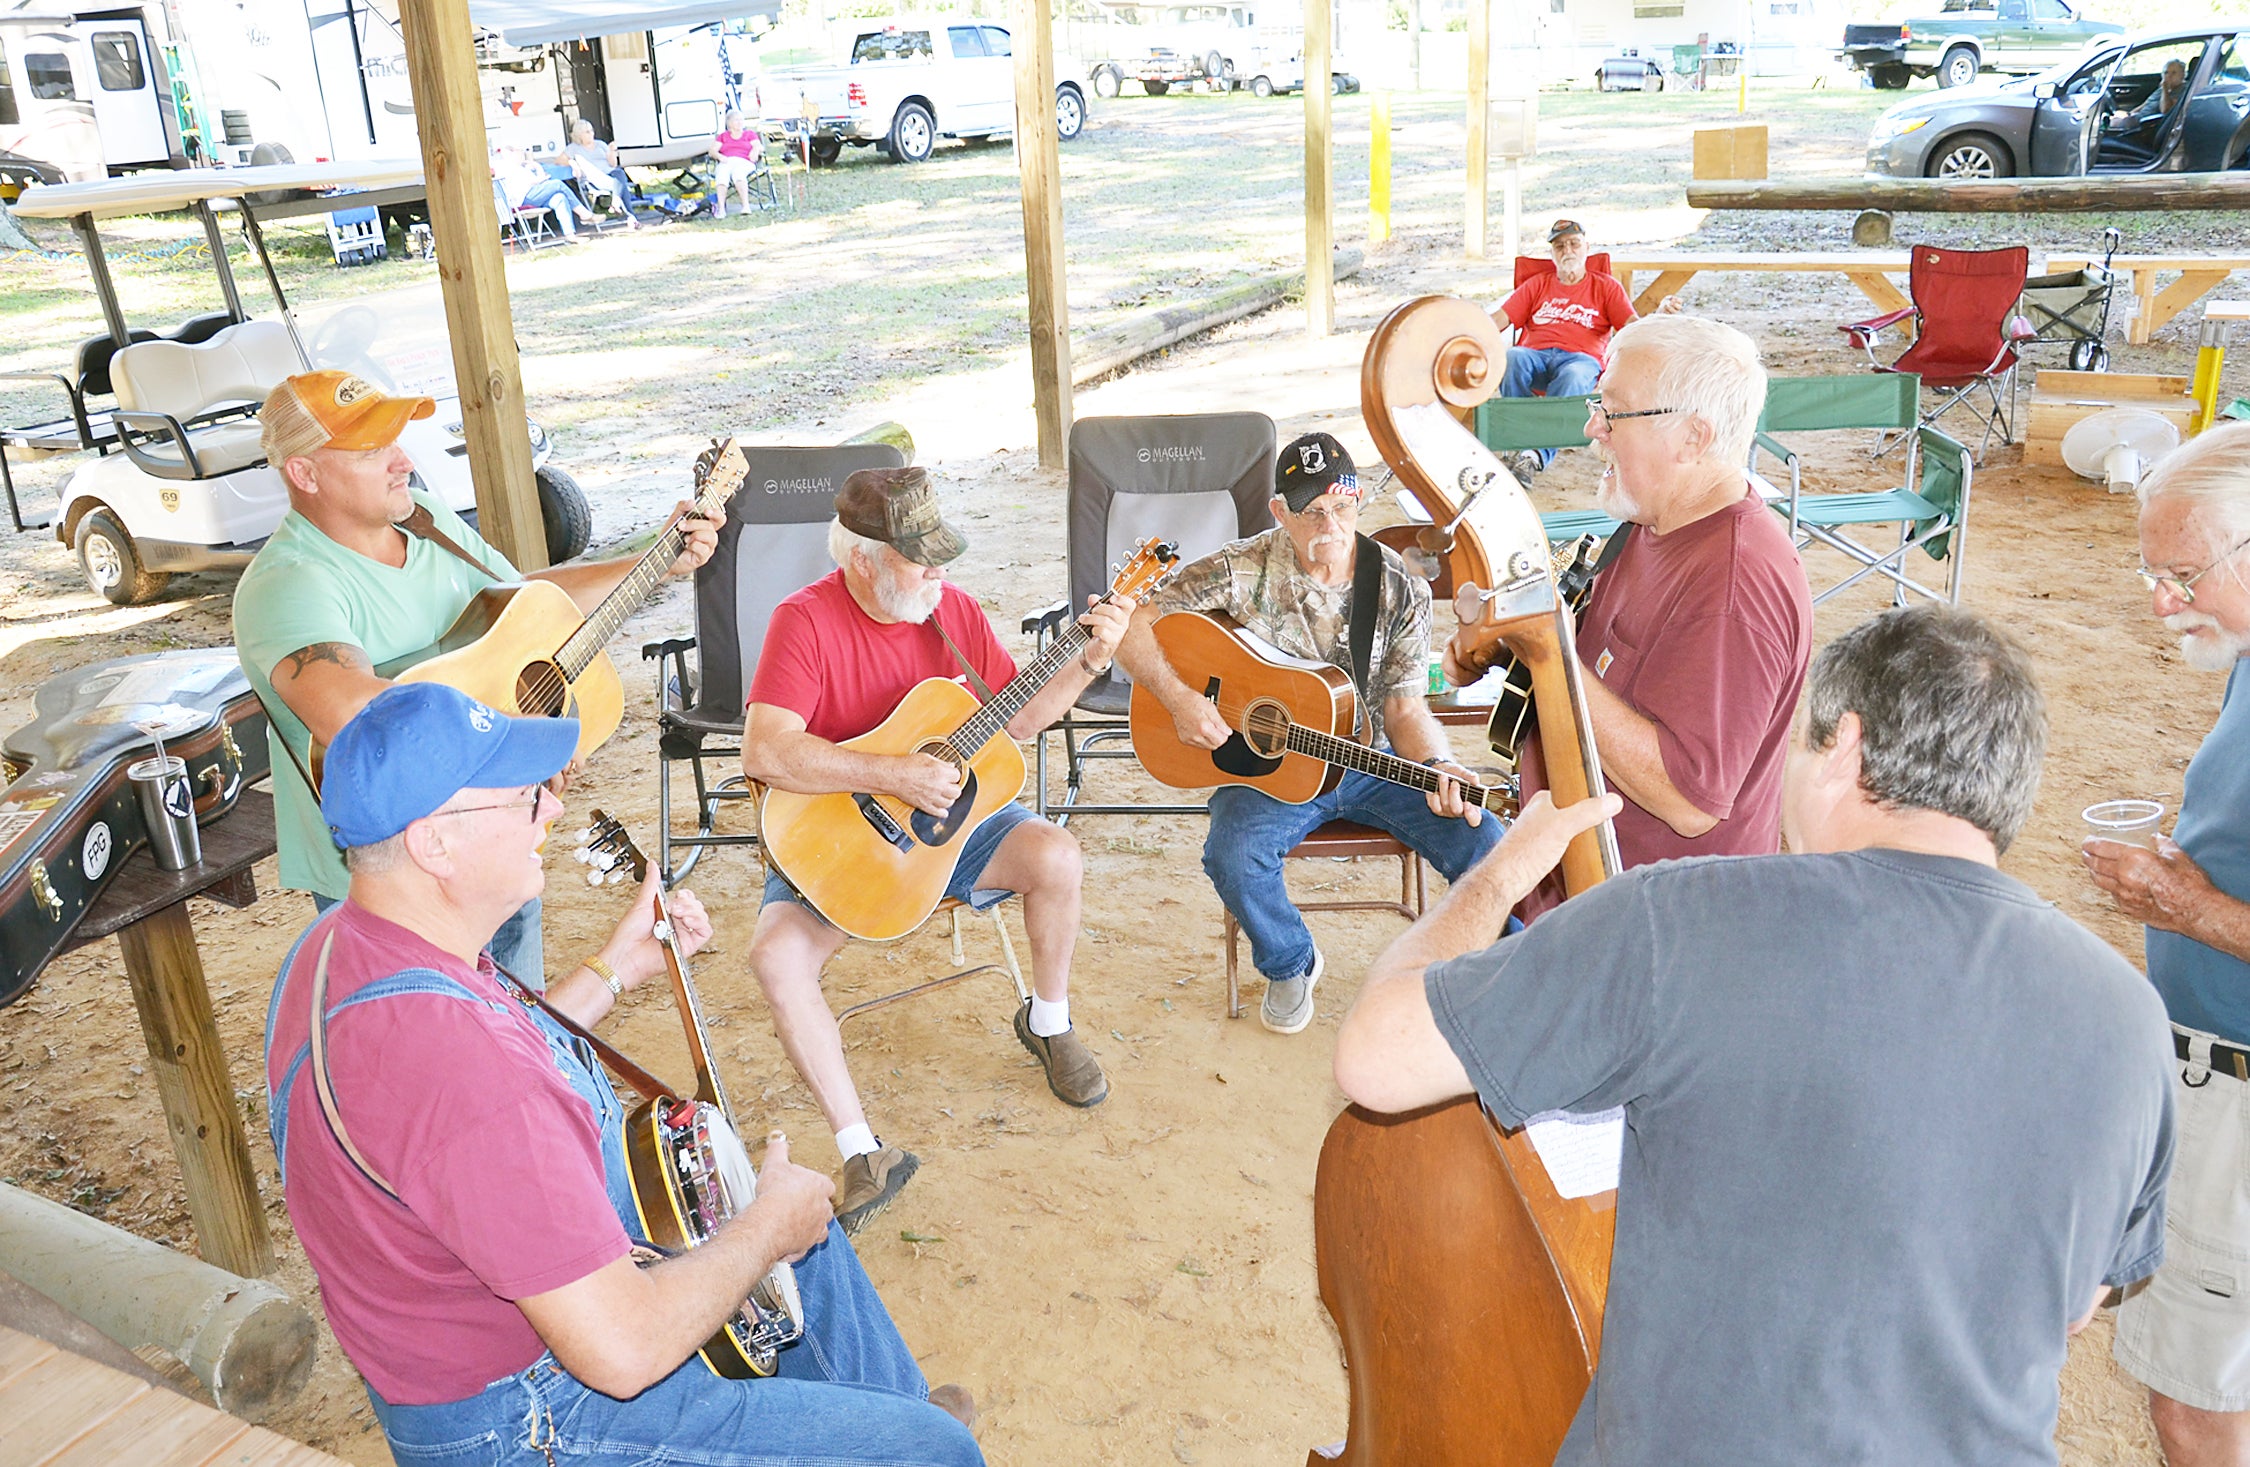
x=899, y=507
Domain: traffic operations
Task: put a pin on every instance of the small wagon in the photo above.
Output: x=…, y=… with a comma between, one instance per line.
x=2073, y=307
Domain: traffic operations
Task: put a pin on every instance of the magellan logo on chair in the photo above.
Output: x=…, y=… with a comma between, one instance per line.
x=1177, y=453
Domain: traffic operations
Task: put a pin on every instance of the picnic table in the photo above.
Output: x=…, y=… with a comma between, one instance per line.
x=2152, y=308
x=61, y=1409
x=1870, y=270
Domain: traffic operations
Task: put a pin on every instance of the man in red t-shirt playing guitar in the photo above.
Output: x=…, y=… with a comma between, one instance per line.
x=1564, y=319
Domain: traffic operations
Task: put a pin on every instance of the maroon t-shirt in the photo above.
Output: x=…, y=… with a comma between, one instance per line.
x=844, y=672
x=1707, y=632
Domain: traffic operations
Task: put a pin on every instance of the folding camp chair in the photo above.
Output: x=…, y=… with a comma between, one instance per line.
x=1196, y=479
x=774, y=543
x=1968, y=333
x=1931, y=511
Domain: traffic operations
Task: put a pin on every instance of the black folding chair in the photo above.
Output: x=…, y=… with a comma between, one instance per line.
x=774, y=543
x=1196, y=479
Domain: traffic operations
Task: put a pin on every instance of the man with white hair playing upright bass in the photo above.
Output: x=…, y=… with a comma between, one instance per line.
x=1697, y=633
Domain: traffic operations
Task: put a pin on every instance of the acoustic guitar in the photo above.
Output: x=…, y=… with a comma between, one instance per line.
x=1467, y=1291
x=690, y=1171
x=1293, y=720
x=526, y=650
x=875, y=866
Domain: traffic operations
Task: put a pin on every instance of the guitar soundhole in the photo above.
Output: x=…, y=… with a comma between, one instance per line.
x=541, y=691
x=1265, y=728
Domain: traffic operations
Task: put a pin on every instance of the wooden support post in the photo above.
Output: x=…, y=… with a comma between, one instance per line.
x=1039, y=163
x=1511, y=210
x=1480, y=119
x=449, y=111
x=1379, y=168
x=166, y=975
x=1320, y=174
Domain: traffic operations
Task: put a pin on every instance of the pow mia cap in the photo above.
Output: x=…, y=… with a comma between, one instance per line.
x=1562, y=227
x=316, y=410
x=1311, y=466
x=899, y=507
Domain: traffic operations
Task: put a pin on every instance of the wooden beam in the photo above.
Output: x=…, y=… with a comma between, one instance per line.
x=2001, y=196
x=1320, y=174
x=456, y=162
x=1479, y=201
x=1039, y=162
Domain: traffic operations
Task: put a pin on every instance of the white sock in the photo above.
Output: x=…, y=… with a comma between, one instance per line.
x=1050, y=1019
x=857, y=1141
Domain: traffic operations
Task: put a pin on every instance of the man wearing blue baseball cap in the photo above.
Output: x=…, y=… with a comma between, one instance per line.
x=454, y=1165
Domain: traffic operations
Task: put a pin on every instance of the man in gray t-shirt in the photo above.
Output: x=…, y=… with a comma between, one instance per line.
x=1893, y=1125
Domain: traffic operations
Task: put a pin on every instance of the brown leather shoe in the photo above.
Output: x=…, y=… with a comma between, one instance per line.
x=870, y=1181
x=1072, y=1071
x=956, y=1402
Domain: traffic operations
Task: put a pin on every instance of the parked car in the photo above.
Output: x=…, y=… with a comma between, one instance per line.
x=1288, y=75
x=1171, y=46
x=1629, y=71
x=1967, y=37
x=908, y=84
x=2106, y=112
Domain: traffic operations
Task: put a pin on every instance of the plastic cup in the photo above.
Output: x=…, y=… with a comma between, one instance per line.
x=2135, y=822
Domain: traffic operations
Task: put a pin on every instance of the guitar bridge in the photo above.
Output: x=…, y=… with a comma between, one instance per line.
x=885, y=826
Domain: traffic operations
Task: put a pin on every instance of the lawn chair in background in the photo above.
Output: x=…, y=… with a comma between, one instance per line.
x=774, y=543
x=1968, y=333
x=1196, y=479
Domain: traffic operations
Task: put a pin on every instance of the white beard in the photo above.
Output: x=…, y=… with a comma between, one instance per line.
x=1611, y=496
x=914, y=603
x=2216, y=650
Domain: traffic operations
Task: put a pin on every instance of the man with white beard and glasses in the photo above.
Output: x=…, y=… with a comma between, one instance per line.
x=2187, y=1336
x=839, y=657
x=1696, y=636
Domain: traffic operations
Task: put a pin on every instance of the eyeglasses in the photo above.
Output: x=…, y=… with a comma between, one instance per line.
x=1594, y=407
x=1337, y=515
x=2184, y=586
x=538, y=794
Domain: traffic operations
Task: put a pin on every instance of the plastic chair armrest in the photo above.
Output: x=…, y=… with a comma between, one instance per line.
x=1047, y=621
x=156, y=425
x=1863, y=333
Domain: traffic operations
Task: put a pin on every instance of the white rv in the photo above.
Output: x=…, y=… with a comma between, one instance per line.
x=84, y=92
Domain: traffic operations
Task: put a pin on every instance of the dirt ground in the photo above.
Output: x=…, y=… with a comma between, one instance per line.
x=1132, y=1284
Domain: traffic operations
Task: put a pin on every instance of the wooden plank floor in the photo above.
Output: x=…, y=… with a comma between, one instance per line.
x=58, y=1409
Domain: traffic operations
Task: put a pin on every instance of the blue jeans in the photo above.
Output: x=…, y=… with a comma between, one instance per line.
x=976, y=854
x=515, y=947
x=1548, y=371
x=561, y=202
x=1251, y=833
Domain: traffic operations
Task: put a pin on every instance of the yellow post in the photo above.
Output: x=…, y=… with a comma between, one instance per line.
x=1379, y=168
x=2210, y=356
x=1742, y=91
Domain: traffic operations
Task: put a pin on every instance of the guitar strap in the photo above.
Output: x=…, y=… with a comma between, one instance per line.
x=1614, y=547
x=421, y=526
x=984, y=694
x=1367, y=600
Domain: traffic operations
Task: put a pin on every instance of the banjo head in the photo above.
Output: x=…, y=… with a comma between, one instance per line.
x=714, y=1179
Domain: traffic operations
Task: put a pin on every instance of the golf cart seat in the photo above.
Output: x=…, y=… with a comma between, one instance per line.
x=187, y=412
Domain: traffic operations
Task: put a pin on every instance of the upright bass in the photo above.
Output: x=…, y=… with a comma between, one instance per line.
x=1467, y=1291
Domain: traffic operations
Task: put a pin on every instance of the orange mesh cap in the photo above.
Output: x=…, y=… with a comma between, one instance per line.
x=316, y=410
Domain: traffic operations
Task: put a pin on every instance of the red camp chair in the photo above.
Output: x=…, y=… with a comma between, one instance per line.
x=1968, y=332
x=1531, y=267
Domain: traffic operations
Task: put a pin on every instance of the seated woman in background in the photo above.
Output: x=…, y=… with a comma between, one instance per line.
x=737, y=149
x=594, y=164
x=525, y=185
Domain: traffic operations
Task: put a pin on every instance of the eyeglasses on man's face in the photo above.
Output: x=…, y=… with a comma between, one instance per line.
x=2183, y=587
x=534, y=800
x=1595, y=409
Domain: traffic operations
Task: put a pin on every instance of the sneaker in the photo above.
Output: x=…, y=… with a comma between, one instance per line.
x=1523, y=464
x=1288, y=1005
x=956, y=1402
x=871, y=1180
x=1072, y=1071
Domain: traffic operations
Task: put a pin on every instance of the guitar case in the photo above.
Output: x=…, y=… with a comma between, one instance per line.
x=68, y=816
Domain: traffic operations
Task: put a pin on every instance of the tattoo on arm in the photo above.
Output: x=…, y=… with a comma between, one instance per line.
x=342, y=654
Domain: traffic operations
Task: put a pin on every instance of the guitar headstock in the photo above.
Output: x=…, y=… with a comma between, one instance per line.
x=719, y=471
x=1151, y=564
x=607, y=850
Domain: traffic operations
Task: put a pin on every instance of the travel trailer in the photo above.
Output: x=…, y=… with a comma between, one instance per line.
x=83, y=93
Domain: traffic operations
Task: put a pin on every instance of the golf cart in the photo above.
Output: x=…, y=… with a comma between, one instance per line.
x=178, y=481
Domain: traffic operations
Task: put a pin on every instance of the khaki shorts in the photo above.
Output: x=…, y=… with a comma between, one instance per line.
x=2187, y=1335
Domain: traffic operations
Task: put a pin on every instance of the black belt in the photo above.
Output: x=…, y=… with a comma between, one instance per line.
x=2225, y=1058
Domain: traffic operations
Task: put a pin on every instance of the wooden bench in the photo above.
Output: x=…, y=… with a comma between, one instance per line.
x=1869, y=270
x=2226, y=311
x=2199, y=276
x=59, y=1409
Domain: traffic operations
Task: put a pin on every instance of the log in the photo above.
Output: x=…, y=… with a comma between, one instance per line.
x=2000, y=196
x=246, y=1340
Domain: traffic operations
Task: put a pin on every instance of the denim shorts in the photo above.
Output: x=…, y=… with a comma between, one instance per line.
x=976, y=854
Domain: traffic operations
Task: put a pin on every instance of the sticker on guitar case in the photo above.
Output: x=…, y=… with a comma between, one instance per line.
x=93, y=855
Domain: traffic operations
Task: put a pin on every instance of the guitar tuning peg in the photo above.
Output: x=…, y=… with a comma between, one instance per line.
x=593, y=878
x=616, y=875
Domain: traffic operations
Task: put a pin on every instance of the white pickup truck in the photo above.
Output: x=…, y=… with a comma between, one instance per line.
x=908, y=83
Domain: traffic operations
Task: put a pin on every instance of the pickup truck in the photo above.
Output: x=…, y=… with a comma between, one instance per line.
x=907, y=84
x=1967, y=37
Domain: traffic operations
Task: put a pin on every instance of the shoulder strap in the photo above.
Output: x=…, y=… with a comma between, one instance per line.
x=1613, y=547
x=646, y=1084
x=1367, y=600
x=326, y=1091
x=984, y=694
x=421, y=526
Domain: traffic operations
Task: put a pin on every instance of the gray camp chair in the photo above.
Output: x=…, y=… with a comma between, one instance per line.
x=774, y=543
x=1196, y=479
